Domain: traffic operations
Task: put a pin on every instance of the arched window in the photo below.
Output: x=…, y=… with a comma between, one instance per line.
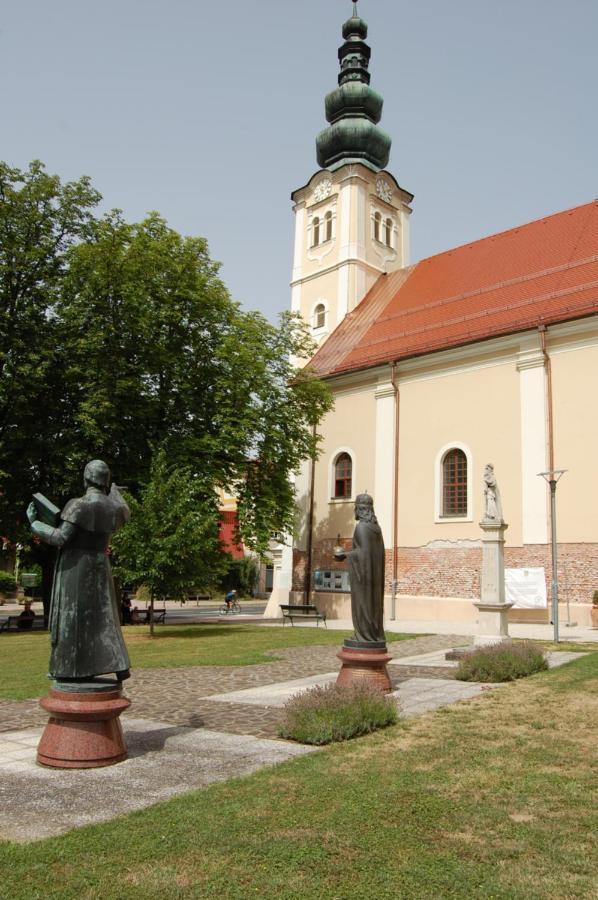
x=328, y=220
x=454, y=483
x=319, y=316
x=377, y=223
x=388, y=232
x=343, y=476
x=316, y=232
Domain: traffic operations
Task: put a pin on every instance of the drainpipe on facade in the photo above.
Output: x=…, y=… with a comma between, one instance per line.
x=310, y=527
x=395, y=497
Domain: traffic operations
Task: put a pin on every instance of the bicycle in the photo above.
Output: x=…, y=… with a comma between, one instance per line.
x=233, y=607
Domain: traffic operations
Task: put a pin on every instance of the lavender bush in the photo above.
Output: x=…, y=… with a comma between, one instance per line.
x=502, y=662
x=322, y=715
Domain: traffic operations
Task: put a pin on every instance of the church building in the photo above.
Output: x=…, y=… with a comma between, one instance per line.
x=486, y=353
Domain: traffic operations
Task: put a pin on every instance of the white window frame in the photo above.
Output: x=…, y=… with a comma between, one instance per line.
x=332, y=472
x=320, y=332
x=439, y=519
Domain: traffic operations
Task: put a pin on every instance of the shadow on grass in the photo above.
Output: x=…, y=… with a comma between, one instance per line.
x=190, y=631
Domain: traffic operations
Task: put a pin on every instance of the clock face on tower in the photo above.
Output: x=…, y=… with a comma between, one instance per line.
x=322, y=190
x=384, y=190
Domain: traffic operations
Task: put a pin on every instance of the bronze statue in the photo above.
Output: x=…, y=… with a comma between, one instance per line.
x=366, y=565
x=84, y=620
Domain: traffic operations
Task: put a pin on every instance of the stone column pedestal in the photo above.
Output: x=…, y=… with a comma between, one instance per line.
x=84, y=730
x=492, y=623
x=364, y=663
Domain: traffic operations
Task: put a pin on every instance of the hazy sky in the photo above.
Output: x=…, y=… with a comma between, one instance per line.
x=208, y=111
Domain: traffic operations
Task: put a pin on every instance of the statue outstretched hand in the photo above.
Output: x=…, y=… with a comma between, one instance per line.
x=31, y=513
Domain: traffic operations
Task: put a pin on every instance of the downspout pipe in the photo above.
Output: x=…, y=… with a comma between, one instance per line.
x=395, y=494
x=310, y=528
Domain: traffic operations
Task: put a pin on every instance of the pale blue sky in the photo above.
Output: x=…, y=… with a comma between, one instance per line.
x=208, y=112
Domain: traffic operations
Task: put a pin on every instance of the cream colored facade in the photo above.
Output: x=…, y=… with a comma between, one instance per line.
x=351, y=226
x=490, y=400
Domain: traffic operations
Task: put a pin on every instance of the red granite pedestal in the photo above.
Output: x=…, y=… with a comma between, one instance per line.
x=84, y=731
x=365, y=665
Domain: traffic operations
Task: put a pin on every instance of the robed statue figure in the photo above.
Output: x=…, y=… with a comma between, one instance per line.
x=84, y=620
x=366, y=567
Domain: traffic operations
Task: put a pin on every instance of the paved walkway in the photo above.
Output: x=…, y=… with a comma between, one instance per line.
x=179, y=696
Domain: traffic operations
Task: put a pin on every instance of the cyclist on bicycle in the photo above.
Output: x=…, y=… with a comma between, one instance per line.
x=229, y=598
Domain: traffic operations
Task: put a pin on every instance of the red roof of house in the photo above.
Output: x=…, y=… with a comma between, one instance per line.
x=538, y=274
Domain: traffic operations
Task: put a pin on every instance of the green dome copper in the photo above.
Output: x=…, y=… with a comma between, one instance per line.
x=353, y=109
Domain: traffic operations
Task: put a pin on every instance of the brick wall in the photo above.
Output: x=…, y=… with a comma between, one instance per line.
x=455, y=572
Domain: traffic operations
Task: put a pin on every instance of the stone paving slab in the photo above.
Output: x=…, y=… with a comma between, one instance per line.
x=275, y=695
x=419, y=695
x=164, y=760
x=437, y=659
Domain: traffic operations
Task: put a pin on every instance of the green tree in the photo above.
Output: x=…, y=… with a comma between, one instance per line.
x=171, y=542
x=40, y=218
x=158, y=355
x=120, y=339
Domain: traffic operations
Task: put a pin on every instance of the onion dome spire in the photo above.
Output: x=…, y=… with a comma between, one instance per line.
x=354, y=109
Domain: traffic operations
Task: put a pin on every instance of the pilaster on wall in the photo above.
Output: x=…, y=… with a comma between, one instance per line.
x=534, y=442
x=385, y=474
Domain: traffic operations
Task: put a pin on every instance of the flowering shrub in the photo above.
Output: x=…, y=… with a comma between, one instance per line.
x=502, y=662
x=7, y=583
x=322, y=715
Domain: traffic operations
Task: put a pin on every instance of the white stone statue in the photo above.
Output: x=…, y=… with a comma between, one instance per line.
x=493, y=505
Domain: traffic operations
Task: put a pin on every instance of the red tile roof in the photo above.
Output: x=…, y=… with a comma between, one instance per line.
x=540, y=273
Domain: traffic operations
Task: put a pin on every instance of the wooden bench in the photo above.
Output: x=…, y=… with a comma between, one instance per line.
x=159, y=616
x=11, y=622
x=197, y=597
x=302, y=611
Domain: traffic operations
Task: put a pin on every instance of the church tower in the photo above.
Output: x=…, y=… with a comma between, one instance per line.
x=352, y=217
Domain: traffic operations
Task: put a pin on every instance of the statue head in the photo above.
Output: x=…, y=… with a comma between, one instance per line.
x=97, y=474
x=364, y=508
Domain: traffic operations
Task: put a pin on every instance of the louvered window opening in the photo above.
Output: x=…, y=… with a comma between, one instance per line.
x=454, y=484
x=343, y=474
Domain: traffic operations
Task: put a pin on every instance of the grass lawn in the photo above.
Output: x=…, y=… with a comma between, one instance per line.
x=25, y=656
x=492, y=798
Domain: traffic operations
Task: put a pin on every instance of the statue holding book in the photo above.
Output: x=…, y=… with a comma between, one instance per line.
x=84, y=619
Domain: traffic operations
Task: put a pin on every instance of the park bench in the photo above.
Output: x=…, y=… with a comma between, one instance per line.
x=302, y=611
x=196, y=596
x=159, y=616
x=11, y=622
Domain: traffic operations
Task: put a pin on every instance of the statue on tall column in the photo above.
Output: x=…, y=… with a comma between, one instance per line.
x=366, y=566
x=84, y=621
x=493, y=505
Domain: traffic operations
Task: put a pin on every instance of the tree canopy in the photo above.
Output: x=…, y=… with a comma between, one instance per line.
x=119, y=340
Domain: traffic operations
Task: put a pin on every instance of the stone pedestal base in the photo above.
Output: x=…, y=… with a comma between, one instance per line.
x=84, y=730
x=362, y=665
x=493, y=626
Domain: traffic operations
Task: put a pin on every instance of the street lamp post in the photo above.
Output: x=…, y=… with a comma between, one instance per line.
x=552, y=478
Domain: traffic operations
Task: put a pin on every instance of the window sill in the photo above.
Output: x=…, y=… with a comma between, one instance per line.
x=321, y=244
x=449, y=520
x=335, y=500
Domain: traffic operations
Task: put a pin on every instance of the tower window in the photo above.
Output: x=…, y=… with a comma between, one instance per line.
x=454, y=483
x=316, y=232
x=377, y=224
x=388, y=232
x=319, y=316
x=343, y=476
x=328, y=221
